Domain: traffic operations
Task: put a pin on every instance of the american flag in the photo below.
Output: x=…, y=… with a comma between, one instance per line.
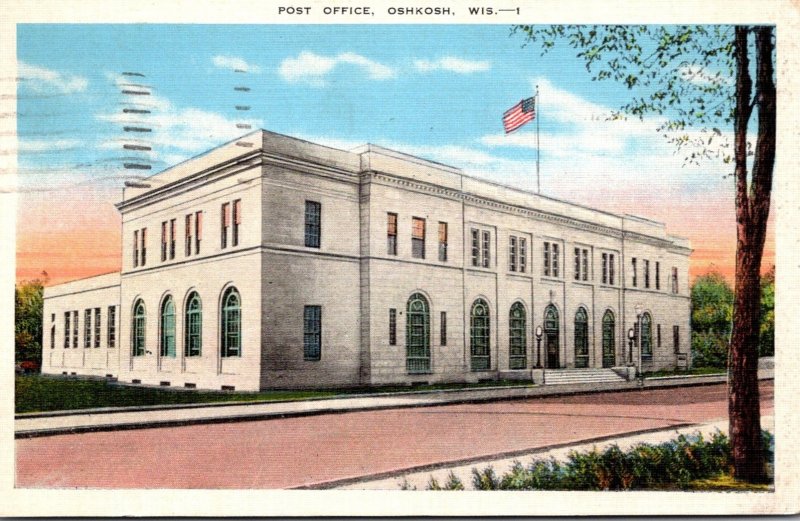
x=519, y=114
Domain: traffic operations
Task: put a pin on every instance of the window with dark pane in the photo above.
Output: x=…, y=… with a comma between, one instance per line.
x=479, y=336
x=231, y=326
x=418, y=238
x=581, y=338
x=418, y=341
x=193, y=329
x=392, y=327
x=391, y=234
x=312, y=333
x=313, y=224
x=442, y=242
x=137, y=329
x=647, y=336
x=167, y=347
x=518, y=358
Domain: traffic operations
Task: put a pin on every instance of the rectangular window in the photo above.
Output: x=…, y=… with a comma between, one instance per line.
x=676, y=338
x=87, y=328
x=53, y=336
x=476, y=248
x=225, y=223
x=66, y=330
x=633, y=272
x=585, y=274
x=611, y=264
x=135, y=248
x=546, y=259
x=658, y=275
x=418, y=238
x=512, y=253
x=485, y=250
x=163, y=241
x=392, y=327
x=646, y=268
x=112, y=326
x=172, y=239
x=97, y=327
x=198, y=231
x=187, y=226
x=577, y=264
x=391, y=234
x=555, y=259
x=675, y=280
x=604, y=257
x=75, y=328
x=237, y=220
x=442, y=242
x=144, y=246
x=443, y=328
x=312, y=332
x=658, y=335
x=313, y=224
x=523, y=255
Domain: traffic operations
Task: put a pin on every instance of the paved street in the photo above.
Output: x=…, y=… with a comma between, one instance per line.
x=315, y=450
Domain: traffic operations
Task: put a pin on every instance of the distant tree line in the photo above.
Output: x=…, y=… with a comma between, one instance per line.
x=712, y=316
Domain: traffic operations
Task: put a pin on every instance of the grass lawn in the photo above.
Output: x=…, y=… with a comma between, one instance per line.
x=684, y=372
x=37, y=393
x=726, y=483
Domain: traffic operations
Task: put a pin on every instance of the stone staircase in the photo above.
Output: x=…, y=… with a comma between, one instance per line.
x=581, y=376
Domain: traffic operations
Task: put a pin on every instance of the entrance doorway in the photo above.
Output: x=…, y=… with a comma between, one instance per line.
x=609, y=360
x=551, y=333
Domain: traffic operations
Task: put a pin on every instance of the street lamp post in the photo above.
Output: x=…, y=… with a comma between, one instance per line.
x=630, y=346
x=539, y=347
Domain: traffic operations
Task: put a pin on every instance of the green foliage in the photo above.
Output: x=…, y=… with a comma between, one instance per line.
x=766, y=345
x=710, y=349
x=28, y=306
x=670, y=465
x=712, y=304
x=452, y=483
x=681, y=71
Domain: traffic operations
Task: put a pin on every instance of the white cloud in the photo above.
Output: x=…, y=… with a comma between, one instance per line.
x=312, y=69
x=449, y=63
x=47, y=145
x=177, y=132
x=234, y=63
x=41, y=79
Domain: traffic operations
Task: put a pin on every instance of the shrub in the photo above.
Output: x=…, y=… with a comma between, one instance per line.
x=673, y=464
x=710, y=349
x=452, y=483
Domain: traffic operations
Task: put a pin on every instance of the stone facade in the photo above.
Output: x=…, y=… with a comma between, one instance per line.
x=364, y=267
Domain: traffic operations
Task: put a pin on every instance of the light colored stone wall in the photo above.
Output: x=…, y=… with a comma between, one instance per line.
x=94, y=292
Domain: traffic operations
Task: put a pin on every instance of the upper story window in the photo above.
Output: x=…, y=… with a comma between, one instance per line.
x=418, y=238
x=198, y=231
x=658, y=275
x=675, y=280
x=646, y=268
x=237, y=220
x=187, y=226
x=517, y=254
x=442, y=242
x=581, y=264
x=163, y=241
x=633, y=272
x=75, y=328
x=313, y=224
x=391, y=234
x=172, y=239
x=135, y=248
x=481, y=248
x=551, y=259
x=66, y=329
x=225, y=224
x=608, y=268
x=87, y=328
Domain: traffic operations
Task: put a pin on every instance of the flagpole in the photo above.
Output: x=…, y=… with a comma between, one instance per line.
x=538, y=150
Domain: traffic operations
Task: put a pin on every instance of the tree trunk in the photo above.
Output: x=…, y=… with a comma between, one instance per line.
x=752, y=212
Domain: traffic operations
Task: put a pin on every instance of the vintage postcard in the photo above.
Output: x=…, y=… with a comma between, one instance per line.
x=399, y=258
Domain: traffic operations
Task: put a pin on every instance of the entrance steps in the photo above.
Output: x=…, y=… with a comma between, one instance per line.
x=581, y=376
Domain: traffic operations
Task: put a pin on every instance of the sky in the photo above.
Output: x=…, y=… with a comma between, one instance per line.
x=435, y=91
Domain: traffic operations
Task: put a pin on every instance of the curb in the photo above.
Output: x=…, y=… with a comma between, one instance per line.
x=263, y=416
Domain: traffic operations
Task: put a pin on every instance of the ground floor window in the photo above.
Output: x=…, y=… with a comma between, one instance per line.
x=193, y=334
x=418, y=343
x=168, y=328
x=517, y=337
x=479, y=336
x=312, y=333
x=137, y=329
x=581, y=338
x=231, y=324
x=647, y=336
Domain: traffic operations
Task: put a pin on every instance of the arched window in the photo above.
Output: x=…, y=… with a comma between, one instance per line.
x=193, y=342
x=231, y=329
x=552, y=335
x=581, y=338
x=137, y=329
x=609, y=347
x=647, y=336
x=418, y=344
x=517, y=351
x=479, y=336
x=168, y=327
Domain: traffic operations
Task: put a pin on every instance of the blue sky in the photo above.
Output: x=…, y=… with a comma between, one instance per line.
x=436, y=91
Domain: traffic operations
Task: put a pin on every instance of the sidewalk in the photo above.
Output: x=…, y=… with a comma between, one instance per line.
x=418, y=479
x=70, y=422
